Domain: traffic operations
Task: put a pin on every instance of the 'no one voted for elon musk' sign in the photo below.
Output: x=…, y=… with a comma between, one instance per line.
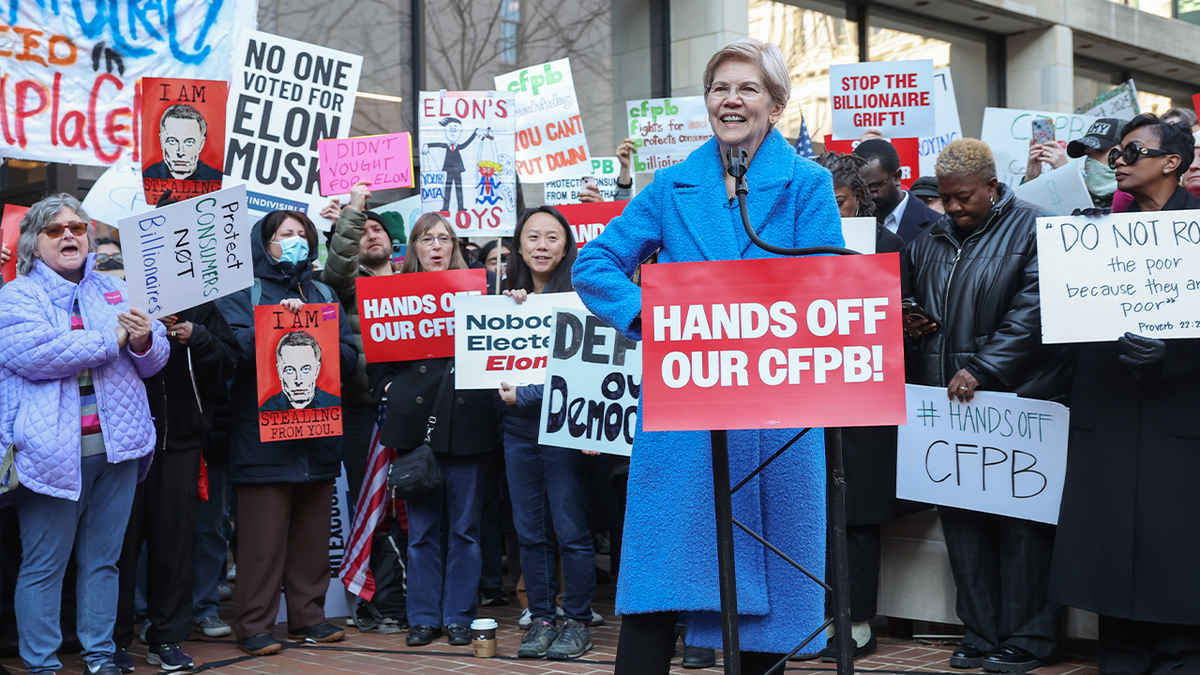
x=775, y=343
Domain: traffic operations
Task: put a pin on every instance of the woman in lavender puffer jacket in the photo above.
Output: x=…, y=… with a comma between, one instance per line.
x=72, y=355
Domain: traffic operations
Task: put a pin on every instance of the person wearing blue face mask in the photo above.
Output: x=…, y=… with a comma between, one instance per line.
x=284, y=488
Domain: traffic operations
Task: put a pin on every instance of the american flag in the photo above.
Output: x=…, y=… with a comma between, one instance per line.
x=804, y=146
x=371, y=509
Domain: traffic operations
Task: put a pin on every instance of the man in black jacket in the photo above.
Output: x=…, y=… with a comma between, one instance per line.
x=895, y=209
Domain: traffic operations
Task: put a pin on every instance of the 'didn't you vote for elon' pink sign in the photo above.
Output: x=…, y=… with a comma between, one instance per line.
x=384, y=161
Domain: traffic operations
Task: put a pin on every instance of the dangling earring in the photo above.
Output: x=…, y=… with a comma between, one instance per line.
x=993, y=200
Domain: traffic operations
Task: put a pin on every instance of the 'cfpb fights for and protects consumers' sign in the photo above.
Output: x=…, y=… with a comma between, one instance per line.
x=405, y=317
x=895, y=97
x=496, y=340
x=781, y=342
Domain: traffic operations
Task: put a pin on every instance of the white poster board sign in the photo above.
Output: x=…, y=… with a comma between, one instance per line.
x=947, y=123
x=895, y=97
x=997, y=454
x=496, y=340
x=606, y=170
x=859, y=234
x=550, y=139
x=1119, y=102
x=1007, y=132
x=1060, y=191
x=593, y=381
x=188, y=253
x=285, y=96
x=116, y=194
x=667, y=130
x=1135, y=272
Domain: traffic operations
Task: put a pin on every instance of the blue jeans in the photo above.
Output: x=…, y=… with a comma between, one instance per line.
x=548, y=489
x=444, y=593
x=95, y=527
x=210, y=549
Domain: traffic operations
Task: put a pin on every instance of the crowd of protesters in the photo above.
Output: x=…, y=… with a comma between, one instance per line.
x=134, y=435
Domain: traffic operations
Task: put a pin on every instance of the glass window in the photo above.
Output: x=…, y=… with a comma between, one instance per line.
x=510, y=19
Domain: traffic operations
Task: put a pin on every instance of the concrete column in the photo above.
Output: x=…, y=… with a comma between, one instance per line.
x=1041, y=70
x=698, y=29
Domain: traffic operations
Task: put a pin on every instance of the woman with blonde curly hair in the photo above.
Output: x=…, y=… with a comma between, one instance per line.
x=976, y=324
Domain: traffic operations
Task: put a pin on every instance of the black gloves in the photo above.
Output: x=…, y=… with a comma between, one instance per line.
x=1141, y=351
x=1092, y=212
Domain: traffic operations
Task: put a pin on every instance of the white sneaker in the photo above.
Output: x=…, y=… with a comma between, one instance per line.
x=231, y=575
x=597, y=620
x=525, y=619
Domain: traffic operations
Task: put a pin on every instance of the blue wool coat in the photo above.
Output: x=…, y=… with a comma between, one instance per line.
x=668, y=555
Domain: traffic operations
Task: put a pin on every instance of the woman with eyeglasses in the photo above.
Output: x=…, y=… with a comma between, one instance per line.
x=73, y=408
x=441, y=589
x=1129, y=524
x=973, y=318
x=494, y=256
x=109, y=258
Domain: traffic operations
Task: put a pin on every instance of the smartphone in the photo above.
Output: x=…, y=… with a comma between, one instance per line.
x=587, y=181
x=910, y=307
x=1043, y=130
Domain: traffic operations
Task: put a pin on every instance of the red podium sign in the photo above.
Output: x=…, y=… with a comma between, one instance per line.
x=776, y=343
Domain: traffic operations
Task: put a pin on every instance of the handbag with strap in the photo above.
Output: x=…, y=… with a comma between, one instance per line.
x=417, y=472
x=9, y=480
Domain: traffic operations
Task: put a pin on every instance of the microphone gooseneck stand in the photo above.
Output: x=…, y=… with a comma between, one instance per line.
x=836, y=499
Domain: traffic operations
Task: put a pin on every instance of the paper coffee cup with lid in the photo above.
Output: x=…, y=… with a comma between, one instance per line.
x=483, y=637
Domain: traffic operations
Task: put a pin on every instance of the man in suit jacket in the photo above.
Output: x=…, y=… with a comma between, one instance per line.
x=896, y=210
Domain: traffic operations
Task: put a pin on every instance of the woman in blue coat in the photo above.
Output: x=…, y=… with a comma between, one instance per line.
x=688, y=213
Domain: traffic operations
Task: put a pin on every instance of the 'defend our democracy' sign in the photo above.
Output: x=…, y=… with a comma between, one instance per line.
x=496, y=340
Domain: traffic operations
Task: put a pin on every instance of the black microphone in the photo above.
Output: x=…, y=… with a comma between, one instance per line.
x=737, y=162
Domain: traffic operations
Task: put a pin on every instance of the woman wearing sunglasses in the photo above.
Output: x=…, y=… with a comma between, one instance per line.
x=73, y=406
x=1129, y=524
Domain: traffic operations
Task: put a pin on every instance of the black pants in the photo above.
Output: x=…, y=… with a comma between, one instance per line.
x=647, y=645
x=864, y=547
x=163, y=516
x=1001, y=569
x=1143, y=648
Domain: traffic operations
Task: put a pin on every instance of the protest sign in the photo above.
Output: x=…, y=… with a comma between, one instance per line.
x=996, y=454
x=183, y=137
x=946, y=121
x=70, y=85
x=1060, y=191
x=566, y=191
x=405, y=317
x=449, y=124
x=1007, y=132
x=298, y=361
x=589, y=220
x=10, y=231
x=1131, y=272
x=496, y=340
x=384, y=161
x=186, y=254
x=895, y=97
x=666, y=130
x=550, y=140
x=286, y=96
x=1119, y=102
x=859, y=234
x=593, y=381
x=118, y=193
x=780, y=342
x=909, y=150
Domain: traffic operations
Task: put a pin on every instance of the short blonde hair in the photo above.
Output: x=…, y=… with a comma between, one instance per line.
x=966, y=157
x=425, y=223
x=765, y=55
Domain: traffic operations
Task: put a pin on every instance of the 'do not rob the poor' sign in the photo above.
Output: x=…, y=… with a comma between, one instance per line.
x=405, y=317
x=895, y=97
x=775, y=343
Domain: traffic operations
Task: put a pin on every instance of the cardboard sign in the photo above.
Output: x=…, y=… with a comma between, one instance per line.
x=71, y=70
x=1007, y=132
x=773, y=343
x=589, y=220
x=550, y=141
x=909, y=150
x=947, y=123
x=859, y=234
x=10, y=231
x=895, y=97
x=1060, y=191
x=118, y=193
x=405, y=317
x=385, y=161
x=496, y=340
x=299, y=372
x=593, y=381
x=286, y=96
x=606, y=171
x=183, y=137
x=1135, y=272
x=997, y=454
x=185, y=254
x=1119, y=102
x=666, y=130
x=476, y=129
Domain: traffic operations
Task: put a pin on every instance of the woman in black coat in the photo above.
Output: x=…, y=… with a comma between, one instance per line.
x=441, y=594
x=974, y=276
x=1129, y=526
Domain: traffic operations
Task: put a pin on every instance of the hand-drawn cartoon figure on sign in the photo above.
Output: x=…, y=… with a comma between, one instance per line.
x=183, y=137
x=452, y=163
x=299, y=372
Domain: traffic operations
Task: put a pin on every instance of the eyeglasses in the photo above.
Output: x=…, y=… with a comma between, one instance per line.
x=56, y=230
x=105, y=257
x=723, y=90
x=1132, y=153
x=428, y=239
x=876, y=187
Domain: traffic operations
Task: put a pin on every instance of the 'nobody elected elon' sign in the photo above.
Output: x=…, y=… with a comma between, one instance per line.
x=774, y=343
x=405, y=317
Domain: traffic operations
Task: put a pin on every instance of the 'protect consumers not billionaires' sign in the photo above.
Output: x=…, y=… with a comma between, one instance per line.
x=496, y=340
x=775, y=343
x=895, y=97
x=188, y=253
x=996, y=454
x=405, y=317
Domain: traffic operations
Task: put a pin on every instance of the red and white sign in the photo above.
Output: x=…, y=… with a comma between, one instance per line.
x=895, y=97
x=775, y=343
x=405, y=317
x=589, y=220
x=10, y=231
x=909, y=150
